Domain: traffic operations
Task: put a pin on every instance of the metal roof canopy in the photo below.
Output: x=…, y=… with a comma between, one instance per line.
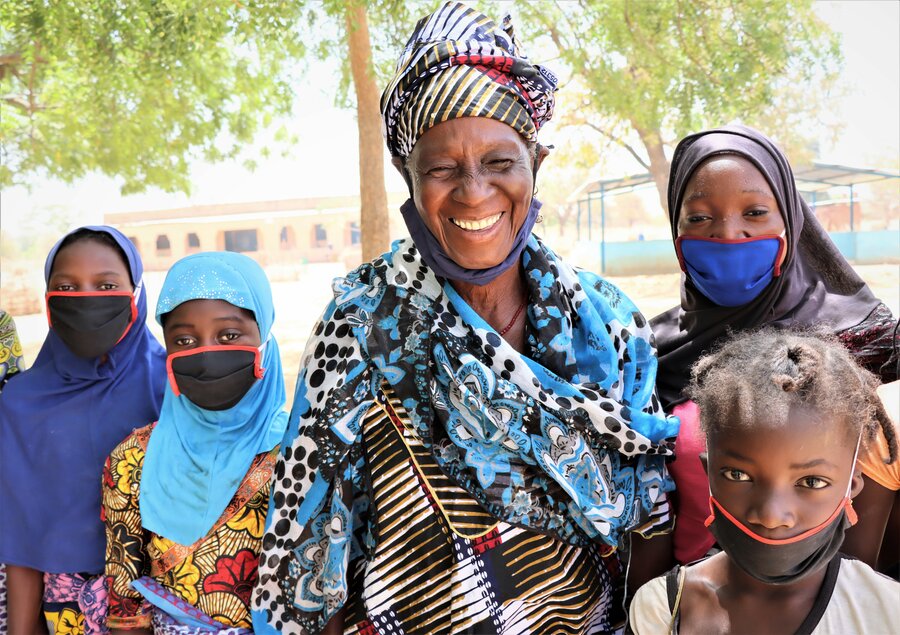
x=815, y=178
x=809, y=179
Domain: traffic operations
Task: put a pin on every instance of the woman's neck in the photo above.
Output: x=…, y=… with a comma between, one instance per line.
x=499, y=302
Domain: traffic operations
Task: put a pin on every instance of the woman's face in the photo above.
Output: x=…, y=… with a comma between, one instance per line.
x=781, y=481
x=472, y=184
x=88, y=265
x=727, y=197
x=197, y=323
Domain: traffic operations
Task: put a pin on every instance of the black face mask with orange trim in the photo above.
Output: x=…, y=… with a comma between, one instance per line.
x=214, y=377
x=90, y=323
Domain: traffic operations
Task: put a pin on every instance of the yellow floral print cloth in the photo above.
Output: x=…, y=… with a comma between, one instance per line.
x=216, y=574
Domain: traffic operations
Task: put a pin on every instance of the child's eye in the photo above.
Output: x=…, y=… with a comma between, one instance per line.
x=108, y=286
x=697, y=218
x=64, y=287
x=735, y=475
x=756, y=212
x=183, y=340
x=813, y=482
x=229, y=336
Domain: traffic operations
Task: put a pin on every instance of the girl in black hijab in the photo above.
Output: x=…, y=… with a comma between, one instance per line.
x=753, y=254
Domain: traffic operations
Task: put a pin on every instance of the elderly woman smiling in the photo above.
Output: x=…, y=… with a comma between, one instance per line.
x=475, y=430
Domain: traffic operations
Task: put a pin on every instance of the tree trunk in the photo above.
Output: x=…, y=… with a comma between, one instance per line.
x=373, y=210
x=659, y=164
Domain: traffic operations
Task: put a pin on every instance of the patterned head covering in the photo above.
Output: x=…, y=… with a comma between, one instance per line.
x=459, y=63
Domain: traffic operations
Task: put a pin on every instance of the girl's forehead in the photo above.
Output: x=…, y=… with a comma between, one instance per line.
x=805, y=437
x=89, y=257
x=205, y=312
x=727, y=168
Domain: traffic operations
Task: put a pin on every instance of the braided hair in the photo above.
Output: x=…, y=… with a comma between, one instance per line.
x=757, y=377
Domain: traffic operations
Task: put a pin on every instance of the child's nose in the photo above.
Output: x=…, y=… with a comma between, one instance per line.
x=772, y=512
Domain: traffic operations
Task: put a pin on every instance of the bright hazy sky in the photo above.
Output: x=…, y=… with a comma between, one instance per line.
x=325, y=160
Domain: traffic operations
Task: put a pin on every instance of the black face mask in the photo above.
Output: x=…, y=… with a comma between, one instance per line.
x=215, y=377
x=91, y=323
x=780, y=561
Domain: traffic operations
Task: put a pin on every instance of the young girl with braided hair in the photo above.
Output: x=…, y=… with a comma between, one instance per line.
x=785, y=415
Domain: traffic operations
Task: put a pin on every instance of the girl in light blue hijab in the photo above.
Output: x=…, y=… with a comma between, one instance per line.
x=185, y=500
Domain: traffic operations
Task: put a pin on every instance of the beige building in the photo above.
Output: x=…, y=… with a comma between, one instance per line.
x=275, y=233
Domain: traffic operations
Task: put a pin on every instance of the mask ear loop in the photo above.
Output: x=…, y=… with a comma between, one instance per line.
x=848, y=504
x=258, y=369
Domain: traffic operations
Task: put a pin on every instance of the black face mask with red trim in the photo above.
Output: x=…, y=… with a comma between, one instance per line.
x=786, y=560
x=214, y=377
x=90, y=323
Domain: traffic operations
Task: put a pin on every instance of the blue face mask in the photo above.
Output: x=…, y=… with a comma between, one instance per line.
x=731, y=272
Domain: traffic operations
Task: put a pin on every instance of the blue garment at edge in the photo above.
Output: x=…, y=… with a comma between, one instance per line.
x=59, y=420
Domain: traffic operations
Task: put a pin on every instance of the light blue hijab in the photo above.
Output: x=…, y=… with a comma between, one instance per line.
x=197, y=458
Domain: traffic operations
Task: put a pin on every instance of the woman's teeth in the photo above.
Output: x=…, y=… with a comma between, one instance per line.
x=475, y=225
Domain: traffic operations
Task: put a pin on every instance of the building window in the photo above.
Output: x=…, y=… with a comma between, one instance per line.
x=355, y=234
x=193, y=241
x=163, y=247
x=241, y=240
x=320, y=236
x=286, y=238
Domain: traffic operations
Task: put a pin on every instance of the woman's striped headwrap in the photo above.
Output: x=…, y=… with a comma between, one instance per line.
x=459, y=63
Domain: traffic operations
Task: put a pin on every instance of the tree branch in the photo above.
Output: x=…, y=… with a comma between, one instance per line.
x=620, y=141
x=21, y=103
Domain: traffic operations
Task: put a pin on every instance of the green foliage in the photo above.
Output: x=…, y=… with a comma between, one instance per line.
x=673, y=67
x=137, y=88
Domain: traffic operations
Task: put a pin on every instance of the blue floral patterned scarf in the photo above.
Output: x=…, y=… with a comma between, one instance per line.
x=569, y=440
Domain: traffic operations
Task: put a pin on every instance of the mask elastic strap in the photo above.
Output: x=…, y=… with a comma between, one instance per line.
x=848, y=502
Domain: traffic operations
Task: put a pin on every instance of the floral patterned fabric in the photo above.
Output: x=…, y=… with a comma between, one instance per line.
x=215, y=575
x=74, y=604
x=11, y=362
x=566, y=442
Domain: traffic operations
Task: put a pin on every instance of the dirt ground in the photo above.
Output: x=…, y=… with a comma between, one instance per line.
x=299, y=303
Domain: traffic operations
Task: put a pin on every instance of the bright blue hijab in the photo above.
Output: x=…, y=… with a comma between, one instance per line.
x=59, y=420
x=197, y=458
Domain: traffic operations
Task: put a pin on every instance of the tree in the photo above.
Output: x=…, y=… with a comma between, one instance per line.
x=373, y=211
x=137, y=88
x=657, y=70
x=344, y=26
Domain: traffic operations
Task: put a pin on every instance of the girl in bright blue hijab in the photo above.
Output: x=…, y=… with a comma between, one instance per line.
x=185, y=499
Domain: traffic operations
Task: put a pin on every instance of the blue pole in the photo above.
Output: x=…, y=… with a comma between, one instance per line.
x=590, y=220
x=851, y=207
x=578, y=222
x=602, y=229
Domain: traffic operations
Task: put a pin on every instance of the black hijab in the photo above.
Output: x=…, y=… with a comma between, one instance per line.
x=816, y=286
